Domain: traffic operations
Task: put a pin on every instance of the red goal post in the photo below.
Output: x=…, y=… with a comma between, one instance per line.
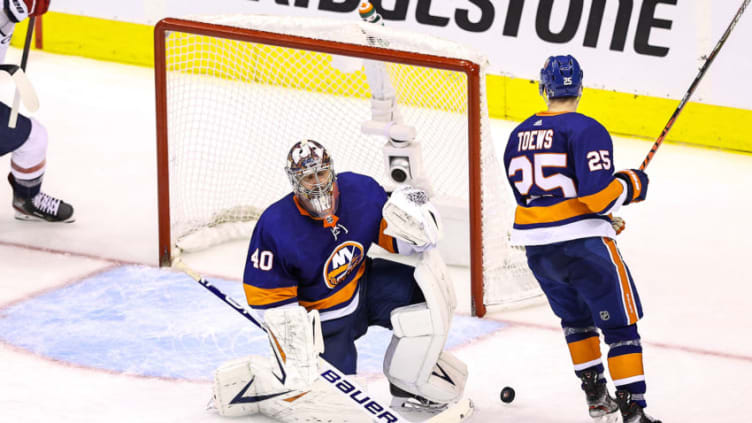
x=166, y=65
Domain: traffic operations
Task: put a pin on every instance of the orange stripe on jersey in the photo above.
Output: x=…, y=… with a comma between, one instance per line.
x=585, y=350
x=339, y=297
x=625, y=366
x=262, y=296
x=567, y=209
x=547, y=113
x=385, y=241
x=626, y=287
x=327, y=224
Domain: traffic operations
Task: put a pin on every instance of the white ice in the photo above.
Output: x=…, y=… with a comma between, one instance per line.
x=687, y=247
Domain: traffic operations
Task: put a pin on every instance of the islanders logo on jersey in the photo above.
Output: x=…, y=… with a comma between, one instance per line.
x=343, y=263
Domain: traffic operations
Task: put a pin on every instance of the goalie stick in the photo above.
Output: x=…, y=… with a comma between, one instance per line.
x=692, y=87
x=24, y=89
x=339, y=381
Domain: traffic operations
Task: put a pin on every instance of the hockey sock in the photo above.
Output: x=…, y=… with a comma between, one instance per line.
x=625, y=361
x=25, y=188
x=585, y=349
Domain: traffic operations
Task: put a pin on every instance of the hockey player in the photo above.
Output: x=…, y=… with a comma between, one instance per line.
x=560, y=167
x=308, y=270
x=27, y=142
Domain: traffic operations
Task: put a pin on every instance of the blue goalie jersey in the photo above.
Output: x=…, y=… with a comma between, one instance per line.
x=561, y=170
x=295, y=258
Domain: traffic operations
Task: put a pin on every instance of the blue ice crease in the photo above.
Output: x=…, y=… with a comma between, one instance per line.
x=154, y=322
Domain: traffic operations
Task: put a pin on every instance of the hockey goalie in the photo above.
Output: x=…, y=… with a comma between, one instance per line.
x=309, y=273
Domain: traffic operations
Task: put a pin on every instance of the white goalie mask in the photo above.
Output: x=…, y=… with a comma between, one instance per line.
x=313, y=180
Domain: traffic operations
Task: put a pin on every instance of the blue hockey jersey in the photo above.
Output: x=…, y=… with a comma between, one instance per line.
x=561, y=169
x=295, y=258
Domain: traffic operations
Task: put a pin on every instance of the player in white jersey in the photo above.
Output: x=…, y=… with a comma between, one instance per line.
x=27, y=142
x=560, y=165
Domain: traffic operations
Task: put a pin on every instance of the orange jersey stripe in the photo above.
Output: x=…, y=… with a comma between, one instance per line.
x=625, y=366
x=262, y=296
x=626, y=287
x=385, y=241
x=585, y=350
x=547, y=113
x=566, y=209
x=338, y=297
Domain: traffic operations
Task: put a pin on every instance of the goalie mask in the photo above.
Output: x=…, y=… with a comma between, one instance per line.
x=313, y=179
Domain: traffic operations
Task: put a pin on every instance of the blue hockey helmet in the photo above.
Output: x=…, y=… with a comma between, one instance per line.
x=561, y=76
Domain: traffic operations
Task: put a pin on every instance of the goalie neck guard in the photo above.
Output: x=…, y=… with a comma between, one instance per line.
x=560, y=77
x=313, y=180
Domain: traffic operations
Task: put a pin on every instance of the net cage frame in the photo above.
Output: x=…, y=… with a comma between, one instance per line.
x=471, y=69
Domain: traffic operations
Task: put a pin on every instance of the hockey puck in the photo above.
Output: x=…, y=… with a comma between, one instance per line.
x=507, y=394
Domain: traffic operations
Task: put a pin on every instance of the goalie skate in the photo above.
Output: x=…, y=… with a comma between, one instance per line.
x=418, y=409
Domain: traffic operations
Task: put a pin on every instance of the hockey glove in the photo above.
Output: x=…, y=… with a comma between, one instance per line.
x=412, y=218
x=37, y=7
x=637, y=184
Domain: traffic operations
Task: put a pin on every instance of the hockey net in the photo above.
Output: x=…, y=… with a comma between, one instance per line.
x=235, y=92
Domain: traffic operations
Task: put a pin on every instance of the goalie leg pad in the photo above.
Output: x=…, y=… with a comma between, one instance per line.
x=414, y=361
x=248, y=386
x=240, y=383
x=296, y=339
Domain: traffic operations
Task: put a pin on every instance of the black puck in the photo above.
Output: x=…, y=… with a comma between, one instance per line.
x=507, y=394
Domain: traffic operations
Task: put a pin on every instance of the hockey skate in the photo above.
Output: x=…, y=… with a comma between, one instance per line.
x=631, y=412
x=601, y=406
x=40, y=207
x=418, y=409
x=43, y=207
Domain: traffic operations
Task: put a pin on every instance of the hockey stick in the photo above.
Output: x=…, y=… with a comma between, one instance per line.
x=692, y=87
x=23, y=87
x=339, y=381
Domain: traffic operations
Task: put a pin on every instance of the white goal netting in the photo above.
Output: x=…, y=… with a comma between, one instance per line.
x=234, y=108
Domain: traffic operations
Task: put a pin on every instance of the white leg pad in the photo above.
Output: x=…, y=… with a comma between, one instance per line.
x=241, y=385
x=414, y=361
x=27, y=161
x=296, y=338
x=238, y=381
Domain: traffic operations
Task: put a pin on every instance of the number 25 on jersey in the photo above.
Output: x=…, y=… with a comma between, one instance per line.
x=532, y=172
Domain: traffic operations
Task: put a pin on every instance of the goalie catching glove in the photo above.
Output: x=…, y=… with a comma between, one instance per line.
x=412, y=220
